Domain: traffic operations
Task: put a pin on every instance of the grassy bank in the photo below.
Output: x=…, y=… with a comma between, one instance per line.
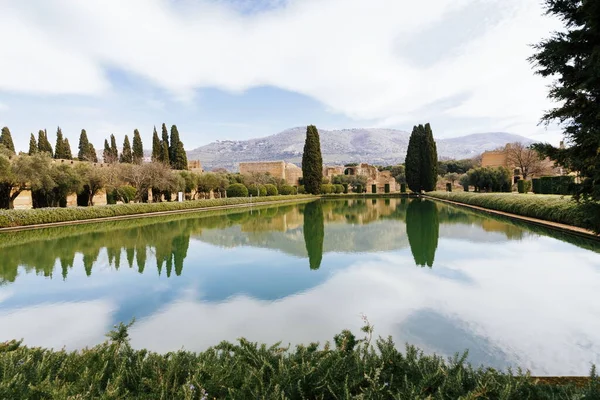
x=553, y=208
x=350, y=368
x=15, y=218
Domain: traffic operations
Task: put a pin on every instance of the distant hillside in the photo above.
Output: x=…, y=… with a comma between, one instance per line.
x=375, y=146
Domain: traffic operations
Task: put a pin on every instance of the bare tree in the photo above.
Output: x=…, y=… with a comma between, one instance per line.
x=526, y=159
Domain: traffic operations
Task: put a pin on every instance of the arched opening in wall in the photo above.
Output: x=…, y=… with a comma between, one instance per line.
x=349, y=171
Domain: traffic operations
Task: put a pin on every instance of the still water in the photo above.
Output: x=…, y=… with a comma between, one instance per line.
x=443, y=278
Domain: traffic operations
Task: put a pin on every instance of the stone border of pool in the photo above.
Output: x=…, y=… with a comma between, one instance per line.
x=155, y=214
x=548, y=224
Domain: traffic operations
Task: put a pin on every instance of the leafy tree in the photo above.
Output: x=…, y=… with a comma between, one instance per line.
x=314, y=233
x=44, y=145
x=114, y=152
x=176, y=151
x=490, y=179
x=452, y=177
x=421, y=160
x=33, y=147
x=571, y=56
x=6, y=139
x=422, y=229
x=92, y=181
x=126, y=155
x=138, y=148
x=156, y=146
x=20, y=173
x=84, y=147
x=312, y=161
x=526, y=159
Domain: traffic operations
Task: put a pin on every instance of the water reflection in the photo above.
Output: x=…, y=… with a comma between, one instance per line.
x=422, y=228
x=307, y=271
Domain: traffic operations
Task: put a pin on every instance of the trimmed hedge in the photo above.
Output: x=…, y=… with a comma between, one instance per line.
x=10, y=218
x=327, y=188
x=286, y=190
x=349, y=368
x=338, y=188
x=237, y=190
x=257, y=190
x=271, y=190
x=552, y=208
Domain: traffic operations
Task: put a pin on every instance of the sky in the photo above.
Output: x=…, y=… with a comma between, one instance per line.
x=240, y=69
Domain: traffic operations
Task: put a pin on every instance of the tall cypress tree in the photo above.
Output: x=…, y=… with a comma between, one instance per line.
x=156, y=146
x=67, y=154
x=59, y=147
x=32, y=145
x=113, y=148
x=107, y=154
x=84, y=147
x=6, y=139
x=44, y=145
x=177, y=152
x=421, y=160
x=126, y=155
x=164, y=146
x=314, y=233
x=422, y=229
x=138, y=148
x=93, y=157
x=312, y=161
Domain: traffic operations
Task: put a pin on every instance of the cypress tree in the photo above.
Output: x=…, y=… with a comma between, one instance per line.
x=422, y=229
x=93, y=157
x=314, y=232
x=312, y=161
x=164, y=146
x=33, y=147
x=156, y=146
x=138, y=148
x=84, y=147
x=6, y=139
x=421, y=160
x=67, y=154
x=177, y=152
x=59, y=147
x=126, y=155
x=107, y=154
x=113, y=148
x=44, y=145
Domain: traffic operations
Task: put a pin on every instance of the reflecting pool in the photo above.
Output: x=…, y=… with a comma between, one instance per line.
x=440, y=277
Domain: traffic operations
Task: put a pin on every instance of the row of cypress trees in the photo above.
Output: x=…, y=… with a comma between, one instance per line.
x=167, y=150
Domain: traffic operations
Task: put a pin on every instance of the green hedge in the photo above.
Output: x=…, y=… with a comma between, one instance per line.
x=350, y=368
x=10, y=218
x=327, y=188
x=536, y=186
x=257, y=190
x=286, y=190
x=553, y=208
x=237, y=190
x=338, y=188
x=521, y=186
x=271, y=190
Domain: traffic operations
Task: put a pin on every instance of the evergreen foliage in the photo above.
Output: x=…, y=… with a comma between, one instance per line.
x=84, y=147
x=33, y=148
x=314, y=233
x=68, y=155
x=138, y=148
x=93, y=157
x=164, y=146
x=312, y=161
x=421, y=160
x=59, y=148
x=571, y=57
x=126, y=154
x=114, y=152
x=177, y=153
x=237, y=190
x=6, y=139
x=422, y=229
x=156, y=146
x=107, y=154
x=44, y=145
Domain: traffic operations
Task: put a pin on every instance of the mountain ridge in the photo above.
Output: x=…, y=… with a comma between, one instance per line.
x=372, y=145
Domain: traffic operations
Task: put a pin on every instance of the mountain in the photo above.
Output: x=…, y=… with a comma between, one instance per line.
x=374, y=146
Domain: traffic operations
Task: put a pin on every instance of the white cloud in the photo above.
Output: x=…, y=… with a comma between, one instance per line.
x=343, y=53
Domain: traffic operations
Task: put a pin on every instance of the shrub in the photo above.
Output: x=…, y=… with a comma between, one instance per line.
x=358, y=189
x=386, y=188
x=490, y=179
x=111, y=197
x=257, y=190
x=237, y=190
x=536, y=185
x=403, y=188
x=338, y=188
x=271, y=190
x=286, y=190
x=527, y=186
x=521, y=186
x=126, y=193
x=345, y=187
x=546, y=185
x=327, y=189
x=301, y=189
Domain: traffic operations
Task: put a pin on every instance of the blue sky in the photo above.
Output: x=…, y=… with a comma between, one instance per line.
x=237, y=69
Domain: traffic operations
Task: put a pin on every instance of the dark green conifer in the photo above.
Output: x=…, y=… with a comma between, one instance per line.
x=126, y=155
x=138, y=148
x=32, y=145
x=107, y=154
x=312, y=161
x=6, y=139
x=67, y=154
x=59, y=147
x=177, y=152
x=156, y=146
x=422, y=229
x=164, y=146
x=314, y=233
x=113, y=148
x=44, y=145
x=93, y=157
x=84, y=147
x=421, y=160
